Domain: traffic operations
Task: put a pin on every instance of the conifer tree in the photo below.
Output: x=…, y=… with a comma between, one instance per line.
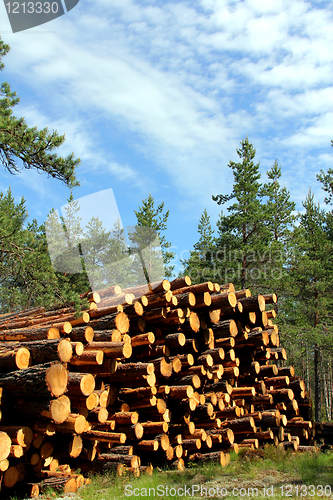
x=28, y=147
x=148, y=244
x=27, y=277
x=242, y=235
x=311, y=279
x=119, y=268
x=200, y=265
x=327, y=183
x=279, y=219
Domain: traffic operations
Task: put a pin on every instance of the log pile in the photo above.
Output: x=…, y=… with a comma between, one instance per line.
x=170, y=372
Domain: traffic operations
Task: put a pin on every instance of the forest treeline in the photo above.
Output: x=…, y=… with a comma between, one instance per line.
x=260, y=242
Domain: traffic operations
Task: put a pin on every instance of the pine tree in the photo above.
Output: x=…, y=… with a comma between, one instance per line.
x=65, y=235
x=200, y=265
x=27, y=277
x=242, y=236
x=311, y=301
x=327, y=181
x=279, y=220
x=21, y=146
x=95, y=245
x=148, y=246
x=119, y=269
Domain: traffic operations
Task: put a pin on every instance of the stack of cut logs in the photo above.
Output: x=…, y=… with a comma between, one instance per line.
x=170, y=372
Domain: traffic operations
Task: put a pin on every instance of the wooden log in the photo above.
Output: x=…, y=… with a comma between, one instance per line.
x=10, y=477
x=106, y=437
x=124, y=418
x=82, y=334
x=55, y=409
x=133, y=432
x=147, y=445
x=13, y=357
x=155, y=427
x=29, y=334
x=109, y=291
x=5, y=444
x=150, y=288
x=45, y=379
x=181, y=392
x=281, y=394
x=225, y=329
x=111, y=349
x=117, y=321
x=253, y=304
x=215, y=456
x=80, y=384
x=143, y=339
x=132, y=461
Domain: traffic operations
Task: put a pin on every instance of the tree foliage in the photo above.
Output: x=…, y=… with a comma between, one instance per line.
x=149, y=244
x=27, y=277
x=200, y=265
x=242, y=234
x=28, y=147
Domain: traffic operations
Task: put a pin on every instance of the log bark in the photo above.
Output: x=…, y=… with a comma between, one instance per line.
x=45, y=379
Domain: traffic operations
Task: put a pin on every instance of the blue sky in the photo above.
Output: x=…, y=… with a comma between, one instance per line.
x=155, y=96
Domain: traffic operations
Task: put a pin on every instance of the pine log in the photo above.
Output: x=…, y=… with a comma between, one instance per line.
x=155, y=427
x=88, y=357
x=143, y=339
x=82, y=334
x=225, y=329
x=39, y=379
x=106, y=437
x=117, y=321
x=29, y=334
x=147, y=445
x=133, y=432
x=5, y=444
x=10, y=477
x=107, y=368
x=54, y=409
x=13, y=357
x=111, y=349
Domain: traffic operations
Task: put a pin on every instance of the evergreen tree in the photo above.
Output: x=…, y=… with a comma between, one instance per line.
x=65, y=236
x=21, y=146
x=242, y=236
x=327, y=181
x=149, y=247
x=27, y=277
x=119, y=269
x=95, y=250
x=279, y=220
x=200, y=266
x=308, y=318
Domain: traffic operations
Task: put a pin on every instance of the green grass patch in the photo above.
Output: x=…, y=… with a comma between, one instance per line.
x=249, y=475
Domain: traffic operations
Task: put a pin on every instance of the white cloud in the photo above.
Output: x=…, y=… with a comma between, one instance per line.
x=187, y=81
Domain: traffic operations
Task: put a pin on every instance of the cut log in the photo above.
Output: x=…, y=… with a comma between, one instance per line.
x=82, y=334
x=117, y=321
x=88, y=358
x=40, y=379
x=111, y=349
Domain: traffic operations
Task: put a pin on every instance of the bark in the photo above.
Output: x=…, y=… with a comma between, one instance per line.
x=45, y=379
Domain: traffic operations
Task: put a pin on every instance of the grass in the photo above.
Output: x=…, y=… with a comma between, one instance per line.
x=254, y=472
x=268, y=473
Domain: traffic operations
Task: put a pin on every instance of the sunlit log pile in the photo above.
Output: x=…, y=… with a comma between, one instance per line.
x=170, y=372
